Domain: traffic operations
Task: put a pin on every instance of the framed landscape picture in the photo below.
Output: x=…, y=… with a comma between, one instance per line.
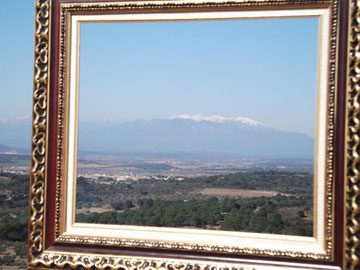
x=188, y=135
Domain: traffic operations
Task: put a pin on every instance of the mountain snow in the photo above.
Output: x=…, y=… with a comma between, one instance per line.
x=219, y=119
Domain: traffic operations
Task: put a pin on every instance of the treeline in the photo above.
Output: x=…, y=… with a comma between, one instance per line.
x=284, y=182
x=14, y=159
x=14, y=201
x=13, y=229
x=90, y=192
x=279, y=214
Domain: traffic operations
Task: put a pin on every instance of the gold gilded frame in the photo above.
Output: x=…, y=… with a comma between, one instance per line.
x=49, y=247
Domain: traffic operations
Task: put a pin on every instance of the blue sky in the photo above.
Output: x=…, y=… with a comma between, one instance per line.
x=16, y=57
x=261, y=69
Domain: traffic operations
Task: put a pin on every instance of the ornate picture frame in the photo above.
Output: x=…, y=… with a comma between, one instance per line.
x=56, y=241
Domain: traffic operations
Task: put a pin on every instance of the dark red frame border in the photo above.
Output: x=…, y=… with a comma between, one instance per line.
x=339, y=138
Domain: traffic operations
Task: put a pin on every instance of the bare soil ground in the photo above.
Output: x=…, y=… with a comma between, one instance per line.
x=245, y=193
x=93, y=210
x=10, y=267
x=10, y=251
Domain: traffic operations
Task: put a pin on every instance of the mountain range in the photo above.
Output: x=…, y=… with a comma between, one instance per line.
x=195, y=134
x=178, y=134
x=15, y=135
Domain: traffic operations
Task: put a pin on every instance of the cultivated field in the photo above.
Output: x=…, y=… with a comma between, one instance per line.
x=244, y=193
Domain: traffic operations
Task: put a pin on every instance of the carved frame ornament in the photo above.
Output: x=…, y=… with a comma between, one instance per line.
x=59, y=253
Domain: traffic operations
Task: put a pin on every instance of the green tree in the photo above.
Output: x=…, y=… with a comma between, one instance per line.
x=118, y=205
x=129, y=204
x=301, y=214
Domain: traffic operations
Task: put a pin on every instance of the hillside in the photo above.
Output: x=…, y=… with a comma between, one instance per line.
x=14, y=212
x=280, y=202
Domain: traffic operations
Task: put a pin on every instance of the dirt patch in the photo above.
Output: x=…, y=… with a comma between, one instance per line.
x=92, y=210
x=12, y=267
x=9, y=251
x=4, y=179
x=15, y=265
x=245, y=193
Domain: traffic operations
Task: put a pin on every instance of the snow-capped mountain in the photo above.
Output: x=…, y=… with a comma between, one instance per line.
x=194, y=134
x=219, y=119
x=177, y=134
